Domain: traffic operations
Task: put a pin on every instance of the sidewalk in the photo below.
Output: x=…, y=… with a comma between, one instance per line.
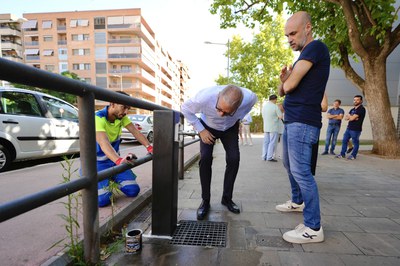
x=360, y=208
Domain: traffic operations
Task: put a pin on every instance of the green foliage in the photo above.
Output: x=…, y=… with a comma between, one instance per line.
x=73, y=208
x=62, y=95
x=374, y=20
x=256, y=65
x=256, y=125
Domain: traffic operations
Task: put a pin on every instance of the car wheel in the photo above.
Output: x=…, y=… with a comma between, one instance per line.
x=5, y=158
x=150, y=137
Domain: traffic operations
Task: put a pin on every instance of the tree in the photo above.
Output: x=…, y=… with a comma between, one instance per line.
x=352, y=29
x=62, y=95
x=256, y=65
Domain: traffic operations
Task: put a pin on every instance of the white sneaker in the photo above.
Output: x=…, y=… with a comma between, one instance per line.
x=303, y=235
x=290, y=206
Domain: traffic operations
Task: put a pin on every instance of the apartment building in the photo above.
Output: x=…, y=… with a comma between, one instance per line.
x=113, y=49
x=11, y=37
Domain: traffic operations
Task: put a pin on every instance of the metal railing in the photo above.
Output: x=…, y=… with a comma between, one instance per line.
x=166, y=123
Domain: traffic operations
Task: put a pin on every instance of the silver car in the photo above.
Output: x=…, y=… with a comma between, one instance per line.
x=144, y=123
x=35, y=125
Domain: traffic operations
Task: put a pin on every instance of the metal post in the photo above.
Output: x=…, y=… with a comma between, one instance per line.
x=87, y=138
x=181, y=162
x=165, y=173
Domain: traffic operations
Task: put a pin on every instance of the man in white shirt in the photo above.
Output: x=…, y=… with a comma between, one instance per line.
x=221, y=109
x=271, y=115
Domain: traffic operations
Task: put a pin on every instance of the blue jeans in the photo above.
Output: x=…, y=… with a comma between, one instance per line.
x=355, y=137
x=332, y=133
x=298, y=140
x=269, y=144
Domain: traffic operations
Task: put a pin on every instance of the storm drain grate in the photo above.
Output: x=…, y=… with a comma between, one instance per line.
x=143, y=216
x=200, y=233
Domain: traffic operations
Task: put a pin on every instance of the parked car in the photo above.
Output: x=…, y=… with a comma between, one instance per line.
x=35, y=125
x=144, y=123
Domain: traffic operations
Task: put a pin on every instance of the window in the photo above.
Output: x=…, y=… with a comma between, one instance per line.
x=46, y=24
x=18, y=103
x=63, y=66
x=101, y=53
x=62, y=51
x=101, y=68
x=80, y=37
x=50, y=68
x=84, y=66
x=80, y=51
x=100, y=23
x=48, y=38
x=60, y=110
x=100, y=37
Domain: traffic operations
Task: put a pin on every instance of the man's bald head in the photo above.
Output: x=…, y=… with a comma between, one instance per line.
x=232, y=95
x=300, y=18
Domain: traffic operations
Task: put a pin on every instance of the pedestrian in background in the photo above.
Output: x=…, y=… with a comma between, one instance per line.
x=246, y=121
x=356, y=118
x=335, y=116
x=271, y=116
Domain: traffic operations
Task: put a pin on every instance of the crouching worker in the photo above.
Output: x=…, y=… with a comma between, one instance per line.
x=109, y=123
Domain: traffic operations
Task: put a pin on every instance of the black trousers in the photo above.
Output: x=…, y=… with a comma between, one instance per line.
x=230, y=141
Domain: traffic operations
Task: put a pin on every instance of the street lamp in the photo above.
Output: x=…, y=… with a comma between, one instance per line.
x=120, y=78
x=228, y=54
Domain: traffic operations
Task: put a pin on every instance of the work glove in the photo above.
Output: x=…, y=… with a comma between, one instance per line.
x=150, y=149
x=127, y=159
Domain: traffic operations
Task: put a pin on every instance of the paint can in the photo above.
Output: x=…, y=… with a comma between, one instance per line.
x=133, y=241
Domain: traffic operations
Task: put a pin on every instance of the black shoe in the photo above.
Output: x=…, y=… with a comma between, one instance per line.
x=232, y=207
x=203, y=209
x=349, y=150
x=272, y=160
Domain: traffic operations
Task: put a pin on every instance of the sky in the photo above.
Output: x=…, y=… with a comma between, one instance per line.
x=181, y=26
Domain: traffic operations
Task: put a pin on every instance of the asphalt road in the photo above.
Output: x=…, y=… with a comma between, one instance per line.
x=26, y=239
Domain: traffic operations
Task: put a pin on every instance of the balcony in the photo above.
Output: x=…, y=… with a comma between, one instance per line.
x=123, y=26
x=122, y=56
x=113, y=41
x=62, y=42
x=32, y=57
x=10, y=32
x=62, y=28
x=122, y=71
x=34, y=43
x=8, y=45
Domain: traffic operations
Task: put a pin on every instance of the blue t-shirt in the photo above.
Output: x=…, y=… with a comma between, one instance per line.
x=304, y=103
x=334, y=111
x=356, y=125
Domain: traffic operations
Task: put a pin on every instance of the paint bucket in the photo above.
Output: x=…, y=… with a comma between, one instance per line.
x=133, y=241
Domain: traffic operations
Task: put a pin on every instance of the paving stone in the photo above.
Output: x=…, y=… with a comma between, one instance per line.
x=252, y=218
x=338, y=210
x=355, y=260
x=375, y=244
x=236, y=238
x=395, y=200
x=337, y=223
x=378, y=212
x=258, y=206
x=237, y=257
x=335, y=242
x=309, y=259
x=376, y=225
x=284, y=220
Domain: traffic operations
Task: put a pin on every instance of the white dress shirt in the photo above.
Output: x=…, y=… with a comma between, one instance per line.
x=204, y=103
